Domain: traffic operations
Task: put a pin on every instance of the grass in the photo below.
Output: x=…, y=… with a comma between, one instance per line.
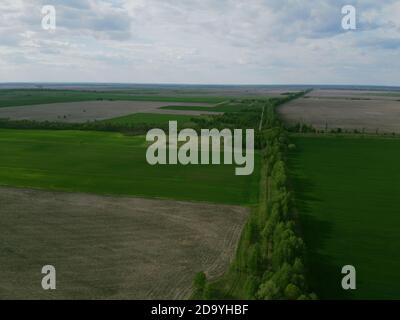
x=384, y=94
x=233, y=284
x=219, y=108
x=346, y=192
x=112, y=163
x=17, y=97
x=149, y=118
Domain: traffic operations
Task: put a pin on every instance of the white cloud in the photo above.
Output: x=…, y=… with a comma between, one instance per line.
x=201, y=41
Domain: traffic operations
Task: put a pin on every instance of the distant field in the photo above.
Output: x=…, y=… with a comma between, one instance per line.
x=151, y=118
x=166, y=91
x=347, y=193
x=11, y=98
x=368, y=115
x=223, y=107
x=111, y=163
x=354, y=94
x=111, y=247
x=84, y=111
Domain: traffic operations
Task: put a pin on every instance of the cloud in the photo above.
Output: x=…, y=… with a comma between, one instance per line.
x=201, y=41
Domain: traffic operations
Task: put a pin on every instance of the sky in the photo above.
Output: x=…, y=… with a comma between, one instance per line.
x=201, y=42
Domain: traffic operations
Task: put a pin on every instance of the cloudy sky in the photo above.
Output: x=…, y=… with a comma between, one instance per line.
x=201, y=41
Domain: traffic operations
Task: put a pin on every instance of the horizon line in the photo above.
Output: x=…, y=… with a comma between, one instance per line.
x=199, y=84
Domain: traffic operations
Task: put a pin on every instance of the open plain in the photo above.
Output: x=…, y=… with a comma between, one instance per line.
x=353, y=94
x=80, y=112
x=111, y=247
x=348, y=114
x=346, y=190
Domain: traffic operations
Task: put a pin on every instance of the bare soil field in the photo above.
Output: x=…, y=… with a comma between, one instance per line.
x=371, y=115
x=354, y=94
x=111, y=247
x=80, y=112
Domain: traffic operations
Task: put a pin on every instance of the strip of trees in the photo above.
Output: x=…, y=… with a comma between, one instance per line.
x=269, y=262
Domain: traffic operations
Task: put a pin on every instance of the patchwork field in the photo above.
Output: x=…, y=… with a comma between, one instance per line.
x=369, y=115
x=346, y=192
x=80, y=112
x=111, y=247
x=52, y=93
x=77, y=200
x=112, y=163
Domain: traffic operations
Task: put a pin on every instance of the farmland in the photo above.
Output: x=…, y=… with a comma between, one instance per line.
x=349, y=110
x=112, y=163
x=23, y=97
x=351, y=94
x=79, y=187
x=150, y=118
x=327, y=113
x=113, y=225
x=91, y=164
x=207, y=151
x=111, y=247
x=81, y=112
x=346, y=192
x=222, y=107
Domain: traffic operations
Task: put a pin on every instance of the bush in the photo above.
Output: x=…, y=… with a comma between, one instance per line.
x=199, y=283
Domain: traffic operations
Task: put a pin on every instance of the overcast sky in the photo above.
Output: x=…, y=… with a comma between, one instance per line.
x=201, y=41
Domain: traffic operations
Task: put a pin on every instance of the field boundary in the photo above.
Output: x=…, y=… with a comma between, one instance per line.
x=270, y=250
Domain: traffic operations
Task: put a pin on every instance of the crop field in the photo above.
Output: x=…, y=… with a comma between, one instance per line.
x=112, y=163
x=23, y=97
x=346, y=191
x=52, y=93
x=363, y=115
x=150, y=118
x=222, y=107
x=80, y=112
x=111, y=247
x=354, y=94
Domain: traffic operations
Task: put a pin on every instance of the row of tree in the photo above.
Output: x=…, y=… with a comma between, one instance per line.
x=283, y=249
x=134, y=128
x=269, y=263
x=306, y=128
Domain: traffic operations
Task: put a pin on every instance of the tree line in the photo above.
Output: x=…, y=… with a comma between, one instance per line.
x=269, y=262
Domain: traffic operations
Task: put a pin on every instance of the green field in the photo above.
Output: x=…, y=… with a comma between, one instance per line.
x=236, y=107
x=347, y=192
x=149, y=118
x=11, y=98
x=112, y=163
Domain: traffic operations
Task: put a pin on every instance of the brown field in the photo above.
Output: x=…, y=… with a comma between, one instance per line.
x=354, y=94
x=111, y=247
x=80, y=112
x=369, y=115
